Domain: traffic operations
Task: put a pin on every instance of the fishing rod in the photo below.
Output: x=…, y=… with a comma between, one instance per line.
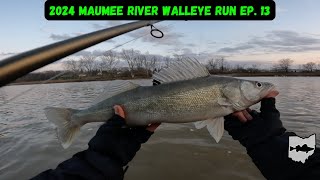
x=17, y=66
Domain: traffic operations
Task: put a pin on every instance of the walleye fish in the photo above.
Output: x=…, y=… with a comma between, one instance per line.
x=186, y=93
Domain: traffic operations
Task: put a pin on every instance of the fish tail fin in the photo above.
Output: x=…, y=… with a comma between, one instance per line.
x=292, y=148
x=66, y=128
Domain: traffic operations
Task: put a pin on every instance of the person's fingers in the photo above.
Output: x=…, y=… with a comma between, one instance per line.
x=272, y=94
x=247, y=115
x=240, y=116
x=153, y=127
x=118, y=110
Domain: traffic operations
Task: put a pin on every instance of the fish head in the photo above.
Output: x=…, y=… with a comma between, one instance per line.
x=253, y=91
x=245, y=93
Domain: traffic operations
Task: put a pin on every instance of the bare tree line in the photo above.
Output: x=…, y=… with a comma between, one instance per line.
x=144, y=64
x=136, y=63
x=311, y=66
x=221, y=65
x=93, y=64
x=110, y=65
x=285, y=65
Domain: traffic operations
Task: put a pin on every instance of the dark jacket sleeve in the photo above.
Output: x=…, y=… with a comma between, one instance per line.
x=113, y=146
x=267, y=143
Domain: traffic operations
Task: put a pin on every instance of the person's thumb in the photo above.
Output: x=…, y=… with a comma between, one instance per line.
x=118, y=110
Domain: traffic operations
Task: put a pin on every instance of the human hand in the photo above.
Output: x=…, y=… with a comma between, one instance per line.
x=118, y=110
x=114, y=138
x=260, y=126
x=245, y=116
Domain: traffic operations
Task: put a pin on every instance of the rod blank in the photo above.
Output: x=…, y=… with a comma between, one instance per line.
x=17, y=66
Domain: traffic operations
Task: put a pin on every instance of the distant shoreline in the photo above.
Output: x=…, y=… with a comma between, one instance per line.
x=96, y=78
x=89, y=79
x=273, y=74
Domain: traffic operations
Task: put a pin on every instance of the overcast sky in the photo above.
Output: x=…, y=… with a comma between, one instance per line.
x=295, y=33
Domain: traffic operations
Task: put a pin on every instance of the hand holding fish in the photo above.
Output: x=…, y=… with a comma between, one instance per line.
x=245, y=116
x=186, y=92
x=263, y=124
x=118, y=110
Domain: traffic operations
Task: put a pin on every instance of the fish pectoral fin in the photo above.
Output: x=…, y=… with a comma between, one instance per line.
x=201, y=124
x=115, y=88
x=214, y=126
x=224, y=102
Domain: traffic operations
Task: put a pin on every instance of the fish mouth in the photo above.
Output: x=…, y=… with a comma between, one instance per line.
x=272, y=88
x=269, y=90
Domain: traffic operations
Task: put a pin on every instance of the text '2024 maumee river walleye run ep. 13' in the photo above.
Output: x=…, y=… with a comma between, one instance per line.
x=160, y=10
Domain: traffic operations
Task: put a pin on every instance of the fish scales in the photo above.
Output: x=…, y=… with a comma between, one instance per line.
x=177, y=101
x=184, y=96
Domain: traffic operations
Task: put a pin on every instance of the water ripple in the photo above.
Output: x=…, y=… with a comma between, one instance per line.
x=29, y=144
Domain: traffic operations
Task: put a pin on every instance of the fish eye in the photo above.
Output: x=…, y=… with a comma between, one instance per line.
x=259, y=85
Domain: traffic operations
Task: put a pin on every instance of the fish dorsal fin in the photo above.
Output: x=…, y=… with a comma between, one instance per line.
x=115, y=88
x=181, y=70
x=214, y=126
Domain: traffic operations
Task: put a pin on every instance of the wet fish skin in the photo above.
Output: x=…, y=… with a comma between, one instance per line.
x=200, y=99
x=178, y=102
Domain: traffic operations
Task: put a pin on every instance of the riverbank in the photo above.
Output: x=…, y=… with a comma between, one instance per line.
x=83, y=79
x=99, y=78
x=273, y=74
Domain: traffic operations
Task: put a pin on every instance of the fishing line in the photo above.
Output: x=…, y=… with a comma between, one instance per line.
x=62, y=73
x=28, y=90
